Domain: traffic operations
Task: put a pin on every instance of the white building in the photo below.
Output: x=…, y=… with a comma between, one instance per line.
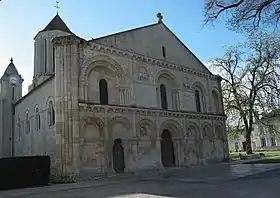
x=264, y=137
x=130, y=101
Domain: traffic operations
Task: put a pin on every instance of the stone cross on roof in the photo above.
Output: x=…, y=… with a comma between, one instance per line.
x=56, y=6
x=160, y=17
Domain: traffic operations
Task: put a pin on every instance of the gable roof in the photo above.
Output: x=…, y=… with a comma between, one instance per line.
x=126, y=31
x=149, y=26
x=57, y=24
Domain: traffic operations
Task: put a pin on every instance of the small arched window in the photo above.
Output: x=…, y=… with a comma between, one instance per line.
x=215, y=102
x=51, y=114
x=27, y=123
x=197, y=101
x=53, y=66
x=163, y=97
x=103, y=91
x=19, y=128
x=163, y=52
x=38, y=119
x=45, y=55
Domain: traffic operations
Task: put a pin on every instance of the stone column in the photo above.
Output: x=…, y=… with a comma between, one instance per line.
x=222, y=110
x=158, y=147
x=208, y=96
x=177, y=148
x=107, y=147
x=66, y=107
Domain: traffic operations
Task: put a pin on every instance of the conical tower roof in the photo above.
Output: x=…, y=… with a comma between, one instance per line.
x=57, y=24
x=11, y=69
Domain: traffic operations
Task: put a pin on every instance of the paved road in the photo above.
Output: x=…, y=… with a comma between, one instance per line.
x=214, y=181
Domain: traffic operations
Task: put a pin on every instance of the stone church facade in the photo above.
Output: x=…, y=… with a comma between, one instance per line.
x=126, y=102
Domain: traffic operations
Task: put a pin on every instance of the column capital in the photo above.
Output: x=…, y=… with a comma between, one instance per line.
x=66, y=40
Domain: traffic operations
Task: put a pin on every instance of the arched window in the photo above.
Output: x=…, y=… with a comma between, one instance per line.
x=19, y=128
x=197, y=101
x=27, y=123
x=38, y=119
x=53, y=67
x=45, y=55
x=51, y=114
x=163, y=51
x=163, y=97
x=215, y=102
x=103, y=91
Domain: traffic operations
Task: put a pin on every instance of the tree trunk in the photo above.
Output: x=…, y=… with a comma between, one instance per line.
x=248, y=143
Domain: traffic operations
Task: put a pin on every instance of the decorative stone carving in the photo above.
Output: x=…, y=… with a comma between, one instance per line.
x=96, y=108
x=66, y=40
x=185, y=83
x=159, y=63
x=124, y=94
x=143, y=131
x=143, y=74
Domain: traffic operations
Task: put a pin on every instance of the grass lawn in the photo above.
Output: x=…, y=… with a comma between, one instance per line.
x=266, y=153
x=265, y=161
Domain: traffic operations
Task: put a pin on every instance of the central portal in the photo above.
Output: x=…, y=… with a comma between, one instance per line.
x=167, y=149
x=118, y=156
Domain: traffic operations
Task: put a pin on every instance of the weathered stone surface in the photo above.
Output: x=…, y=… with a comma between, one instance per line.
x=145, y=94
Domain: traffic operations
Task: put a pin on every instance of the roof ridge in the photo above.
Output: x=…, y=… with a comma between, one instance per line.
x=57, y=24
x=125, y=31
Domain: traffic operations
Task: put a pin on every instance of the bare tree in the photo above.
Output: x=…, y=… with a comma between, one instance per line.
x=247, y=15
x=250, y=85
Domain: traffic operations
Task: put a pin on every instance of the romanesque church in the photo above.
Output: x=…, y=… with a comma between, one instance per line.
x=131, y=101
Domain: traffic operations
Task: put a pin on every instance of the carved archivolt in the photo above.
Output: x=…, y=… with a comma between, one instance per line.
x=198, y=85
x=168, y=75
x=216, y=100
x=120, y=127
x=100, y=60
x=173, y=127
x=90, y=125
x=145, y=128
x=219, y=133
x=207, y=131
x=192, y=131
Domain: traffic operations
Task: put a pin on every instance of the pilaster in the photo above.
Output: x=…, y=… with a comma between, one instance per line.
x=66, y=106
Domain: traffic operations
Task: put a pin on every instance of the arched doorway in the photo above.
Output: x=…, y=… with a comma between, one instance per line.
x=118, y=156
x=167, y=149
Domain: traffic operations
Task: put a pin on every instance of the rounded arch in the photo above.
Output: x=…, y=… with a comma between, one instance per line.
x=216, y=100
x=198, y=85
x=173, y=127
x=27, y=121
x=167, y=92
x=219, y=134
x=122, y=120
x=92, y=124
x=192, y=130
x=207, y=131
x=120, y=127
x=26, y=114
x=168, y=75
x=141, y=128
x=49, y=99
x=37, y=117
x=35, y=107
x=200, y=94
x=100, y=60
x=92, y=120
